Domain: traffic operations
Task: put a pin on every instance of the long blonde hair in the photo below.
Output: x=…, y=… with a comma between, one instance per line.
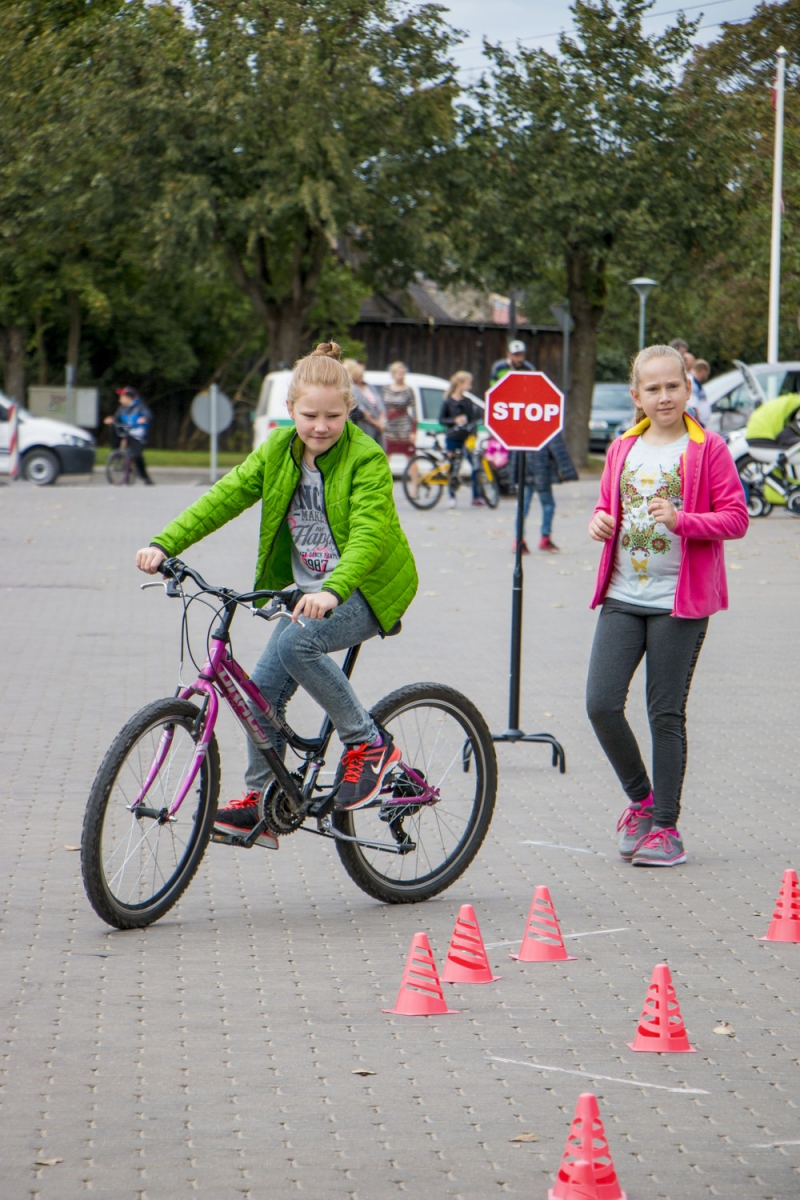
x=460, y=377
x=321, y=368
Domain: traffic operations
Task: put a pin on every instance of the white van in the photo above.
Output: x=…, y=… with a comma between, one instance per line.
x=48, y=448
x=429, y=390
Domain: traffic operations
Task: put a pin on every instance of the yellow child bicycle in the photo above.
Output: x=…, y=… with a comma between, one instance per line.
x=430, y=472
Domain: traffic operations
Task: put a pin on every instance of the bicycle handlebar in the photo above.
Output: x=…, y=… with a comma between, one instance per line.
x=175, y=570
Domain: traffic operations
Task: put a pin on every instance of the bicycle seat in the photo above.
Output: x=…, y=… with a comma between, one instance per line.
x=393, y=632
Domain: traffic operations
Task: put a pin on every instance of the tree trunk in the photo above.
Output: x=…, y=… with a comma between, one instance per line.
x=74, y=337
x=12, y=348
x=285, y=320
x=586, y=289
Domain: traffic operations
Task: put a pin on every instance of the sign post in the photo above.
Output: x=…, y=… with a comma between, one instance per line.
x=524, y=411
x=212, y=412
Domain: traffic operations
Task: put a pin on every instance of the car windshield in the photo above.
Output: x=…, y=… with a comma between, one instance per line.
x=611, y=397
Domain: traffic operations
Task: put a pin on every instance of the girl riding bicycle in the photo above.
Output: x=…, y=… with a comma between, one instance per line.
x=330, y=526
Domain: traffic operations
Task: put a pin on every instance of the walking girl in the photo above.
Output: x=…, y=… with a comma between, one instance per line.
x=669, y=496
x=328, y=525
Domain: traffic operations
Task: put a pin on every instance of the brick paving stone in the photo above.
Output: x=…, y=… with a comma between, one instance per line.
x=213, y=1053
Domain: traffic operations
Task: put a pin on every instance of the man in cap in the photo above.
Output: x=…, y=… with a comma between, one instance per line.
x=132, y=422
x=515, y=360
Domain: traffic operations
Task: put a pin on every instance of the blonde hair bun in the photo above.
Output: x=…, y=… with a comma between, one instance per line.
x=328, y=350
x=321, y=368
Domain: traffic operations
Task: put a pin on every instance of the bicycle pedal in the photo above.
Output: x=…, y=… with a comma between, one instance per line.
x=229, y=839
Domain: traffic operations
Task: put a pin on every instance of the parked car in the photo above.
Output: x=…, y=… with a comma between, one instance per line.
x=612, y=414
x=734, y=395
x=271, y=411
x=48, y=448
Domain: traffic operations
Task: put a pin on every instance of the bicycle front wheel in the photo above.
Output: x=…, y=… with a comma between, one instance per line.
x=418, y=479
x=118, y=469
x=488, y=485
x=137, y=860
x=446, y=744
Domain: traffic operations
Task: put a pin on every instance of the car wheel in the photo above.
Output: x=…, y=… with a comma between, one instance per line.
x=41, y=467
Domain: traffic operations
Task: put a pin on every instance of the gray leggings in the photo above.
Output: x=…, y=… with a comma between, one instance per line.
x=625, y=634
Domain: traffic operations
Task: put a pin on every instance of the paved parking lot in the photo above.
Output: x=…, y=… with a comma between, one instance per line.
x=215, y=1052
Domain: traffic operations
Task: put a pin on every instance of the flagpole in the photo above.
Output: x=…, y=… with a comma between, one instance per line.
x=777, y=203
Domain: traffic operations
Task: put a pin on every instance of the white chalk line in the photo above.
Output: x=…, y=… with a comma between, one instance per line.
x=558, y=846
x=661, y=1087
x=771, y=1145
x=589, y=933
x=595, y=932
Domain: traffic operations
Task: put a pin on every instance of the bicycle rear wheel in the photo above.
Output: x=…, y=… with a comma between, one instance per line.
x=416, y=481
x=119, y=469
x=445, y=741
x=136, y=859
x=488, y=485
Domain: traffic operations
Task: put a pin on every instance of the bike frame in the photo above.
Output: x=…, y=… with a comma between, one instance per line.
x=222, y=676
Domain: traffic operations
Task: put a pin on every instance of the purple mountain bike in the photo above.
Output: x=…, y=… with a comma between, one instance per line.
x=151, y=809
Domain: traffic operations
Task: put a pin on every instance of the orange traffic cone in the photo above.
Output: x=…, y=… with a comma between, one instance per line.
x=587, y=1168
x=420, y=992
x=785, y=924
x=466, y=959
x=661, y=1027
x=542, y=941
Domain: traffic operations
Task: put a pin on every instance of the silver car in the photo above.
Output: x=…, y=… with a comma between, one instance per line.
x=734, y=395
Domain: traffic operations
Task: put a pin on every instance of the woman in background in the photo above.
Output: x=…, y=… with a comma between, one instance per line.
x=368, y=411
x=401, y=413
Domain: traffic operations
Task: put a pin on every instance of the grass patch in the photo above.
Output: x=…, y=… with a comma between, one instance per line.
x=180, y=458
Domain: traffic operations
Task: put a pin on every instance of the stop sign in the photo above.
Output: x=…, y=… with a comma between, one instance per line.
x=524, y=410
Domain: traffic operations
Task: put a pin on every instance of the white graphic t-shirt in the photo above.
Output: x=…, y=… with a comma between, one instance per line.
x=648, y=555
x=314, y=553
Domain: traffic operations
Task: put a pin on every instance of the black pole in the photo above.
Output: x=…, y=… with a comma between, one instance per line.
x=514, y=733
x=516, y=605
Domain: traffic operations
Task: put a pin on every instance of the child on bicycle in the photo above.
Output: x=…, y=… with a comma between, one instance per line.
x=460, y=418
x=330, y=527
x=669, y=496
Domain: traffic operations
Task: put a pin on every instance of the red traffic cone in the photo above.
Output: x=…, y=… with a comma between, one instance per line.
x=420, y=992
x=785, y=924
x=542, y=941
x=587, y=1168
x=661, y=1027
x=466, y=959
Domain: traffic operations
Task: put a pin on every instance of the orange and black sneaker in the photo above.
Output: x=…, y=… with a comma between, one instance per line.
x=362, y=770
x=240, y=817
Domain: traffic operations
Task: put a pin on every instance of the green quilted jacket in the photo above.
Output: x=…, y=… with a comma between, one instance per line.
x=375, y=556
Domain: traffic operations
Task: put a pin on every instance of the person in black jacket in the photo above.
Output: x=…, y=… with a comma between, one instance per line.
x=460, y=418
x=543, y=468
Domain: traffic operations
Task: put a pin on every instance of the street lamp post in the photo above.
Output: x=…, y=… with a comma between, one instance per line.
x=777, y=203
x=643, y=287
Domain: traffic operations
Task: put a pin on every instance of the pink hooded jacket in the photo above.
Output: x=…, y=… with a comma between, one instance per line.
x=713, y=509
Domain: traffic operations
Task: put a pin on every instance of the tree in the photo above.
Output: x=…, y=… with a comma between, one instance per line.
x=297, y=136
x=588, y=157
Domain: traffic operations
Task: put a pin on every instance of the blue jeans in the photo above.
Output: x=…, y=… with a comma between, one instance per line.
x=298, y=654
x=454, y=446
x=548, y=504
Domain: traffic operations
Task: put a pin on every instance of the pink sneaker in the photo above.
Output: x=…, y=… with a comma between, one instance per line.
x=634, y=824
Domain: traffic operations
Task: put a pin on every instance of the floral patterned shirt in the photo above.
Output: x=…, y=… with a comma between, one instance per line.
x=648, y=556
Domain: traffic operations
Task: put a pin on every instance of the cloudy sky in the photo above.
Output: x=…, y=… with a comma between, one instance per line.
x=538, y=22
